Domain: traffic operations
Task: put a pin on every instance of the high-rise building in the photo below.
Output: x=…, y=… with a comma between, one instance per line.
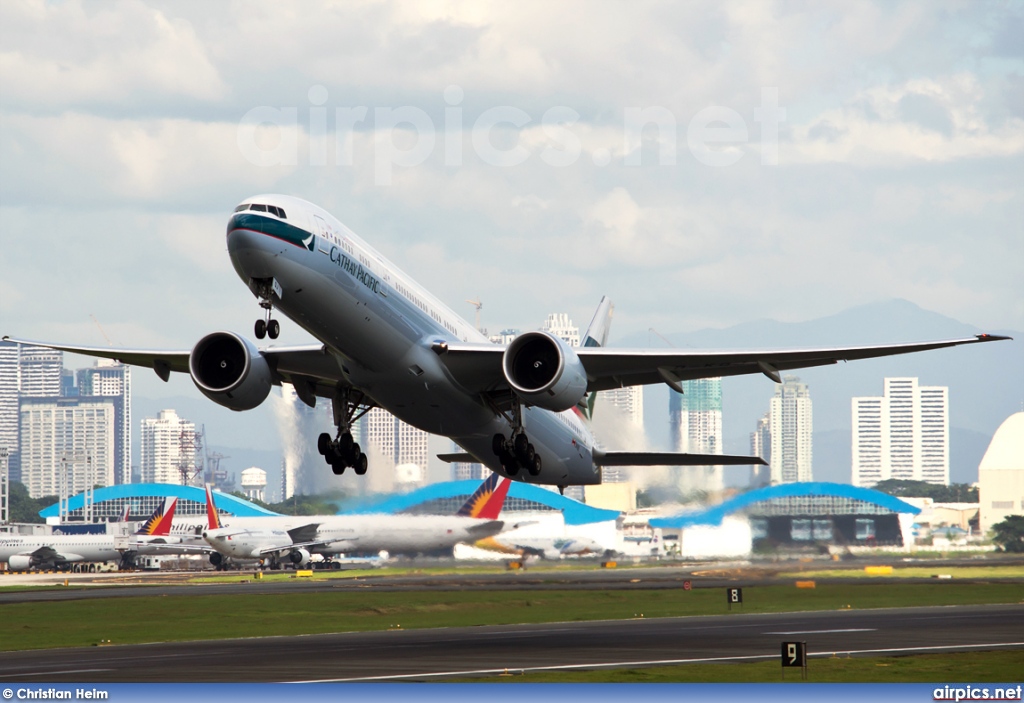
x=559, y=324
x=161, y=445
x=108, y=379
x=695, y=418
x=761, y=445
x=400, y=442
x=72, y=434
x=25, y=372
x=629, y=401
x=504, y=337
x=902, y=435
x=791, y=425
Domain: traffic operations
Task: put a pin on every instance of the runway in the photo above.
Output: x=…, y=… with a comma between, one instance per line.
x=436, y=654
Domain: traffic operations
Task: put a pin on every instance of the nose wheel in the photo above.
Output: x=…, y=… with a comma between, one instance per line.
x=267, y=327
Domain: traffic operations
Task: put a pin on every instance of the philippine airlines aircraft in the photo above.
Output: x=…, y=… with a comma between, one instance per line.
x=521, y=410
x=59, y=551
x=543, y=547
x=297, y=539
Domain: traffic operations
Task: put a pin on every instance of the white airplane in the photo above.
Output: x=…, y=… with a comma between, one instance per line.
x=23, y=552
x=296, y=539
x=521, y=410
x=543, y=547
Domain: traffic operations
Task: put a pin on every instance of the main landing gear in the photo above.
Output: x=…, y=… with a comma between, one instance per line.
x=266, y=327
x=343, y=452
x=517, y=452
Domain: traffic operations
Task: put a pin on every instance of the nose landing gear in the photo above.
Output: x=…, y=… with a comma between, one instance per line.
x=265, y=291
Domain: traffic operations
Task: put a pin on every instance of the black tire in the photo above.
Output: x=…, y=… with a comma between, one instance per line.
x=530, y=454
x=520, y=443
x=273, y=329
x=535, y=466
x=511, y=466
x=260, y=329
x=353, y=454
x=361, y=465
x=323, y=443
x=345, y=443
x=338, y=468
x=498, y=444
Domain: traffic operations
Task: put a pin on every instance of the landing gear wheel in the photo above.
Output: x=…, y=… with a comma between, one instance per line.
x=534, y=468
x=531, y=453
x=520, y=443
x=337, y=467
x=352, y=457
x=323, y=443
x=260, y=329
x=498, y=444
x=273, y=329
x=345, y=443
x=361, y=464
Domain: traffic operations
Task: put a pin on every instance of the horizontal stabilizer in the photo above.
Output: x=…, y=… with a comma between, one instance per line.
x=673, y=459
x=460, y=457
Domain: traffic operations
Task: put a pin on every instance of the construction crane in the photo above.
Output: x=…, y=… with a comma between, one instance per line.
x=663, y=337
x=100, y=327
x=478, y=305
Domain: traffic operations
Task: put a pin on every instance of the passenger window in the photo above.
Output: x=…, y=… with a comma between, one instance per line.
x=259, y=208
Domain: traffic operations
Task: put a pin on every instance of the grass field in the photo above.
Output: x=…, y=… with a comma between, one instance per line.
x=175, y=618
x=957, y=572
x=981, y=667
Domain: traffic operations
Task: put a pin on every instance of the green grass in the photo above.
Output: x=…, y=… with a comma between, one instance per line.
x=957, y=572
x=134, y=619
x=1001, y=666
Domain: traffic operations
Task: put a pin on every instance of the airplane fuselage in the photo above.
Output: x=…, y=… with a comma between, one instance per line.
x=382, y=328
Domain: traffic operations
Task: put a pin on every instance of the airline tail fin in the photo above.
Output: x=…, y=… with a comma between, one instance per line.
x=596, y=336
x=212, y=517
x=159, y=523
x=487, y=501
x=125, y=513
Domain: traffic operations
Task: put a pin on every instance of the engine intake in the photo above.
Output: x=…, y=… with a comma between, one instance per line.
x=300, y=557
x=230, y=371
x=544, y=371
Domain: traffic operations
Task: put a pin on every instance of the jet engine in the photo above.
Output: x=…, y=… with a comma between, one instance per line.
x=544, y=371
x=230, y=371
x=216, y=558
x=20, y=562
x=299, y=557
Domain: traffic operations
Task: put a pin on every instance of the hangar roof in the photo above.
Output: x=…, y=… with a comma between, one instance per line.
x=575, y=513
x=831, y=498
x=225, y=501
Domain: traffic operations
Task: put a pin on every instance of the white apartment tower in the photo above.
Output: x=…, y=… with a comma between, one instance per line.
x=630, y=402
x=559, y=324
x=398, y=441
x=161, y=447
x=695, y=418
x=761, y=445
x=25, y=372
x=109, y=379
x=902, y=435
x=72, y=434
x=791, y=425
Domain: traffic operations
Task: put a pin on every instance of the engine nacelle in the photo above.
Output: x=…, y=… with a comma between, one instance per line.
x=20, y=562
x=230, y=371
x=544, y=371
x=216, y=558
x=300, y=557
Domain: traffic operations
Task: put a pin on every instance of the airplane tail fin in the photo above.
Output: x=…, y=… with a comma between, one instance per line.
x=125, y=513
x=159, y=523
x=487, y=501
x=212, y=517
x=596, y=336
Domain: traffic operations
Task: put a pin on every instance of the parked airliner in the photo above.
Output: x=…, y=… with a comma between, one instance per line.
x=60, y=551
x=296, y=539
x=521, y=409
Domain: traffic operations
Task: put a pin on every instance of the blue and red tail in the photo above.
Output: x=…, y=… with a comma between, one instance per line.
x=487, y=501
x=159, y=523
x=212, y=517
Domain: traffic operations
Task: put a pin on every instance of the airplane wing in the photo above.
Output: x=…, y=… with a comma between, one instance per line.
x=673, y=459
x=306, y=367
x=477, y=367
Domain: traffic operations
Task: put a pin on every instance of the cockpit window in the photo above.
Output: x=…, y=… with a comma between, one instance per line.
x=259, y=208
x=243, y=206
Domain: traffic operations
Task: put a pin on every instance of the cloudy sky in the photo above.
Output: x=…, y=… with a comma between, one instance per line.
x=704, y=164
